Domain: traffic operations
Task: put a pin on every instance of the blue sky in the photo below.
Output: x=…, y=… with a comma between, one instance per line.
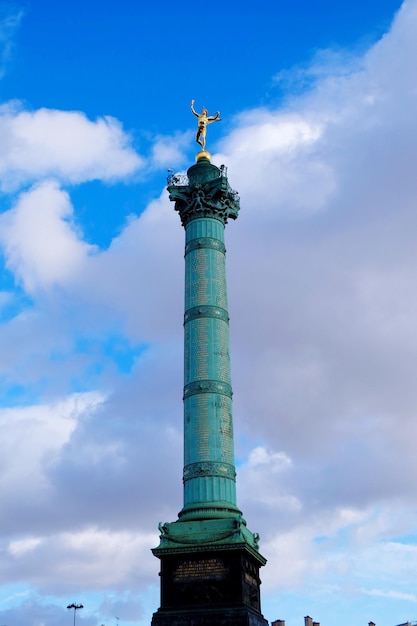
x=319, y=133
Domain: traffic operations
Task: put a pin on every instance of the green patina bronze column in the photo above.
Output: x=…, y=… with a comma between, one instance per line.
x=209, y=559
x=209, y=471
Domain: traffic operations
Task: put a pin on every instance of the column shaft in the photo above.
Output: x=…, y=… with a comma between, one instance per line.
x=209, y=472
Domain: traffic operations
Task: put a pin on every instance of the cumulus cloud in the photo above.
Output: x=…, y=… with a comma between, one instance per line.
x=33, y=436
x=101, y=560
x=62, y=144
x=39, y=239
x=264, y=476
x=170, y=151
x=68, y=470
x=267, y=142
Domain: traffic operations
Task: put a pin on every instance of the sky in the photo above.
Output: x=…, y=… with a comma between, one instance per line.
x=318, y=103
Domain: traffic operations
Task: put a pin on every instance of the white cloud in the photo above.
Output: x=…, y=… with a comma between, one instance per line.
x=398, y=595
x=322, y=548
x=277, y=151
x=90, y=558
x=276, y=461
x=22, y=546
x=169, y=151
x=9, y=24
x=40, y=241
x=326, y=63
x=32, y=437
x=62, y=144
x=262, y=480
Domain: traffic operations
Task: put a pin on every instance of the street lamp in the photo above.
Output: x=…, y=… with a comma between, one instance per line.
x=75, y=607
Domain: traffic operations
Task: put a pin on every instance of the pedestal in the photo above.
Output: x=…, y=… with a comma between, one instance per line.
x=210, y=588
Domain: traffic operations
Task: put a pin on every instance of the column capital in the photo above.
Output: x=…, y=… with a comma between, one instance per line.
x=204, y=192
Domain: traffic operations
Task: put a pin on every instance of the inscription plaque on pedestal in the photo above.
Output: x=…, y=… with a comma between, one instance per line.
x=200, y=569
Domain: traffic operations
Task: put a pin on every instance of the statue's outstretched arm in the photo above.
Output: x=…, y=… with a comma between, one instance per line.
x=214, y=118
x=192, y=108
